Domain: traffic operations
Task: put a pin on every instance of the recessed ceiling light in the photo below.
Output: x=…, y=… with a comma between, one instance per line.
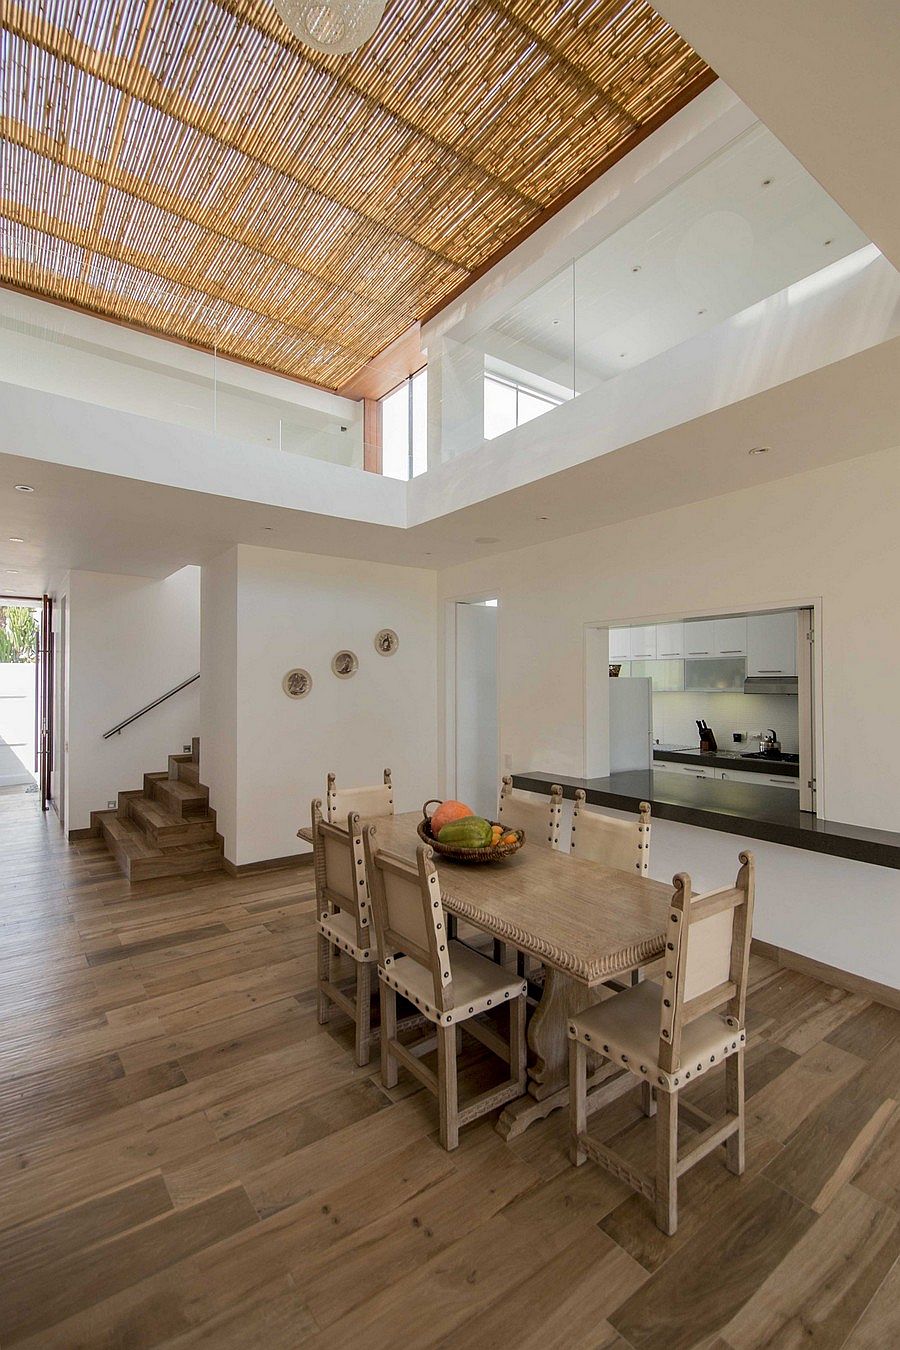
x=542, y=517
x=767, y=182
x=701, y=311
x=487, y=539
x=827, y=242
x=11, y=571
x=268, y=527
x=636, y=269
x=14, y=539
x=759, y=450
x=24, y=487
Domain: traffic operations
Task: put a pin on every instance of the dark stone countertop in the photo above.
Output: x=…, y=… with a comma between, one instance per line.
x=768, y=813
x=724, y=759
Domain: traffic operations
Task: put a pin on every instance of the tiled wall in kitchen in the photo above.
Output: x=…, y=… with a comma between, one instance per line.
x=675, y=717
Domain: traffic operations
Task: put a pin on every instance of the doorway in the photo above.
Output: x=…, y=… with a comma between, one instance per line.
x=19, y=643
x=476, y=747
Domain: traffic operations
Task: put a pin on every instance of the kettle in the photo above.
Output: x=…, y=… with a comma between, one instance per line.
x=769, y=744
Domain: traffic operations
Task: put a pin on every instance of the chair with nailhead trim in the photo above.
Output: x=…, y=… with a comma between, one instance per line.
x=449, y=983
x=541, y=821
x=342, y=897
x=613, y=843
x=372, y=803
x=667, y=1037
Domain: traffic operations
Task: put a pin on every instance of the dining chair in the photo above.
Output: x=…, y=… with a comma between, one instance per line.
x=369, y=802
x=541, y=822
x=452, y=985
x=342, y=894
x=668, y=1037
x=614, y=843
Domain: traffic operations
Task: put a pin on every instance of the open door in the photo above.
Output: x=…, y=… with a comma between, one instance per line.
x=43, y=702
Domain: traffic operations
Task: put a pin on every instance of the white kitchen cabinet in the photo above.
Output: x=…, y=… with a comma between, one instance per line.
x=731, y=636
x=643, y=642
x=620, y=644
x=772, y=644
x=669, y=641
x=758, y=779
x=700, y=637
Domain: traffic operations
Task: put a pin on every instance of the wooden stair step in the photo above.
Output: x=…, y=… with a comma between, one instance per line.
x=141, y=859
x=182, y=799
x=164, y=828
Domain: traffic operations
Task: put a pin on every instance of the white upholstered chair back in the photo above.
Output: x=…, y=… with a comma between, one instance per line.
x=340, y=869
x=706, y=958
x=540, y=820
x=371, y=803
x=409, y=913
x=614, y=843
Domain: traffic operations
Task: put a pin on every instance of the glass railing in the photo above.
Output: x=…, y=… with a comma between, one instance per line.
x=61, y=351
x=748, y=224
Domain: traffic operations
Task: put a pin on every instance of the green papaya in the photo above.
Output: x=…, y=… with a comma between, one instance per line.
x=467, y=832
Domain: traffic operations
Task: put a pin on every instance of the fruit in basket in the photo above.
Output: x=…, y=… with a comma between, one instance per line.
x=467, y=832
x=496, y=834
x=447, y=811
x=509, y=838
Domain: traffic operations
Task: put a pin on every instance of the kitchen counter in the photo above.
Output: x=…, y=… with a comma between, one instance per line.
x=768, y=813
x=728, y=759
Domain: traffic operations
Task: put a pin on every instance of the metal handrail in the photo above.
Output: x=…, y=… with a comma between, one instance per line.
x=114, y=731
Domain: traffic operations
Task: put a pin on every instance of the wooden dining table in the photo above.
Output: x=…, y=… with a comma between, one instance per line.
x=586, y=923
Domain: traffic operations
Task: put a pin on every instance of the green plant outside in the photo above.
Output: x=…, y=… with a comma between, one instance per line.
x=18, y=634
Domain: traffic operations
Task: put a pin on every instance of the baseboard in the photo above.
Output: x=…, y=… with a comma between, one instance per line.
x=267, y=864
x=89, y=832
x=842, y=979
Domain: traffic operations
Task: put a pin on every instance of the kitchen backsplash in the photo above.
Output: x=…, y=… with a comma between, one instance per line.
x=675, y=717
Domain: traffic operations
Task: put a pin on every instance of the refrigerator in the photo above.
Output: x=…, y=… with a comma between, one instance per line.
x=630, y=724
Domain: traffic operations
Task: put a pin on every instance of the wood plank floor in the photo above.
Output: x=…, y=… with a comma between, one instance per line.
x=189, y=1159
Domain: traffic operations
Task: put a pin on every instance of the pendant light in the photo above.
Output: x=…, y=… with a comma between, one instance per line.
x=331, y=26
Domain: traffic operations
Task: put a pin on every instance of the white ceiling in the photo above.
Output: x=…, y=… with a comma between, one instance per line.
x=822, y=75
x=99, y=522
x=745, y=225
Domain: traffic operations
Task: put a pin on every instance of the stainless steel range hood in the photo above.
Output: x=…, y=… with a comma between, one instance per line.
x=770, y=684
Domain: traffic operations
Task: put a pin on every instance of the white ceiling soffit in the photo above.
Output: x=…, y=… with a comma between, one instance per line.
x=822, y=75
x=79, y=518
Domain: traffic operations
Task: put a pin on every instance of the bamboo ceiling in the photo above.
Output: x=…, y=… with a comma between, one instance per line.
x=188, y=166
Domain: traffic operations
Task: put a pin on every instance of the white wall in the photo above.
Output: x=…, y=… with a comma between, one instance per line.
x=16, y=723
x=130, y=640
x=296, y=609
x=218, y=688
x=830, y=534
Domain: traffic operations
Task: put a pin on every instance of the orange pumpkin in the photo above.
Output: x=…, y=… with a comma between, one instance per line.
x=446, y=812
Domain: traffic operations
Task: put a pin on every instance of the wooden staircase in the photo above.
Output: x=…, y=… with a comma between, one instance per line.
x=165, y=828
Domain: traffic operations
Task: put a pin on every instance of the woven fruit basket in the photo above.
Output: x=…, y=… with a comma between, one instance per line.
x=456, y=853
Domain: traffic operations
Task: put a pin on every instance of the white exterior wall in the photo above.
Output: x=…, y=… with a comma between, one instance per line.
x=130, y=640
x=16, y=723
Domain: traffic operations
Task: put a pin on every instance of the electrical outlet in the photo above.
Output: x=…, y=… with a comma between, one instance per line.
x=186, y=749
x=738, y=737
x=110, y=805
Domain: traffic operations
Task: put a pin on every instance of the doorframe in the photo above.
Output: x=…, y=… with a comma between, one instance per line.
x=814, y=603
x=449, y=682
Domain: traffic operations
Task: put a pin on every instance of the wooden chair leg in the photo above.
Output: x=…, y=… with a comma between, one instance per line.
x=448, y=1087
x=577, y=1101
x=389, y=1067
x=734, y=1105
x=363, y=1010
x=323, y=972
x=648, y=1101
x=518, y=1049
x=666, y=1161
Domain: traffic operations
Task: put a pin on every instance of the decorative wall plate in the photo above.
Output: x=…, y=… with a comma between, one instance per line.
x=386, y=642
x=297, y=683
x=344, y=664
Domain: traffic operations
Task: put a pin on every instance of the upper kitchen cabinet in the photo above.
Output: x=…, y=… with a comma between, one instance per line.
x=620, y=644
x=772, y=644
x=643, y=642
x=669, y=641
x=731, y=637
x=700, y=637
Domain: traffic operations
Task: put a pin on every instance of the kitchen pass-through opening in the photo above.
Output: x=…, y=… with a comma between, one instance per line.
x=729, y=698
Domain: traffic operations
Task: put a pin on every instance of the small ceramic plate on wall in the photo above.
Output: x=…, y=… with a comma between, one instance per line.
x=297, y=683
x=386, y=642
x=344, y=664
